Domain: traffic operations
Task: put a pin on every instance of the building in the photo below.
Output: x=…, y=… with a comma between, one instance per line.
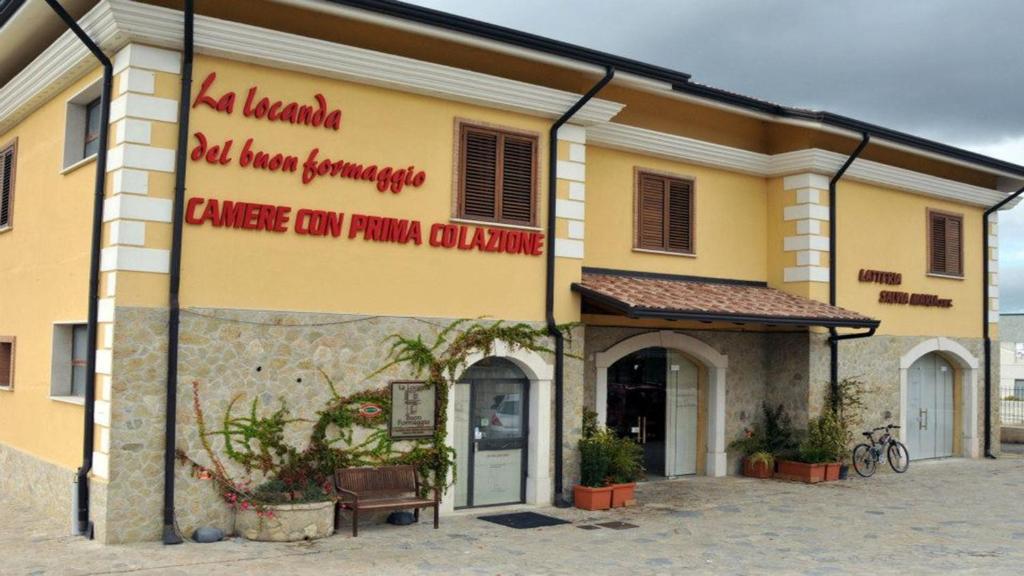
x=360, y=168
x=1011, y=370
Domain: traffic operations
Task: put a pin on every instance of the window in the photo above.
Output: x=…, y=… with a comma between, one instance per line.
x=70, y=351
x=1018, y=350
x=664, y=213
x=8, y=155
x=497, y=176
x=1018, y=388
x=945, y=244
x=92, y=129
x=6, y=361
x=82, y=126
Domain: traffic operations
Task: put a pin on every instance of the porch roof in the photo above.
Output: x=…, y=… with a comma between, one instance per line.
x=646, y=295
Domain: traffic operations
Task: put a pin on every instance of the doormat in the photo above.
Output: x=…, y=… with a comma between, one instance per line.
x=521, y=520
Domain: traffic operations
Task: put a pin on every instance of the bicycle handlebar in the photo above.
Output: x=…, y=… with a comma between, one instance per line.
x=886, y=427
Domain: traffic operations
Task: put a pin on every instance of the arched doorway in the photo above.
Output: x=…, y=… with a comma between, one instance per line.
x=930, y=408
x=491, y=405
x=686, y=353
x=654, y=398
x=939, y=400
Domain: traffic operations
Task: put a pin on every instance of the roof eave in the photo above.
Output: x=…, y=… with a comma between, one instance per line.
x=659, y=313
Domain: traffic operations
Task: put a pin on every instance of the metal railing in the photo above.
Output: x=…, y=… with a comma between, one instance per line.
x=1011, y=404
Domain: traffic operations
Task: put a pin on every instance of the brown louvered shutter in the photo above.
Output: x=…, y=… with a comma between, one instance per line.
x=6, y=185
x=498, y=177
x=937, y=238
x=517, y=180
x=479, y=174
x=945, y=244
x=680, y=228
x=665, y=214
x=651, y=233
x=954, y=265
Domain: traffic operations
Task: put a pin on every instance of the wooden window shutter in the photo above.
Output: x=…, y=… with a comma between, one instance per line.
x=498, y=177
x=6, y=361
x=6, y=185
x=680, y=227
x=665, y=214
x=954, y=245
x=479, y=176
x=945, y=244
x=651, y=233
x=517, y=180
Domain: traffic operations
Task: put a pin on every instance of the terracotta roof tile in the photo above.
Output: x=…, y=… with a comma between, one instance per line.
x=647, y=295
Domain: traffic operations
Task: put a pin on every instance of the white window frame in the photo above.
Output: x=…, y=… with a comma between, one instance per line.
x=75, y=126
x=60, y=362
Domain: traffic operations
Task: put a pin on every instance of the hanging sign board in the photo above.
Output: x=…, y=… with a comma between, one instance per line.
x=413, y=410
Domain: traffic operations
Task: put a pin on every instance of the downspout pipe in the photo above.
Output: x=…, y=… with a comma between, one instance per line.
x=84, y=525
x=834, y=337
x=170, y=532
x=984, y=316
x=549, y=287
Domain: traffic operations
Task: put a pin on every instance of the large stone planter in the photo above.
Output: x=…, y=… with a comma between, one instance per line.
x=289, y=522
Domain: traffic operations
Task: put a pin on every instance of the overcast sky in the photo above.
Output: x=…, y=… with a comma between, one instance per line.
x=950, y=70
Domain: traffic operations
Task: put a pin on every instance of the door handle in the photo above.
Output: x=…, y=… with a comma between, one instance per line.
x=922, y=419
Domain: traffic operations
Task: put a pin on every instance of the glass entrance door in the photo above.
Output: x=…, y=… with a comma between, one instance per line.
x=637, y=403
x=491, y=434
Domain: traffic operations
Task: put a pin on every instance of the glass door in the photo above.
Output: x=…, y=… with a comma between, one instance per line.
x=491, y=435
x=637, y=403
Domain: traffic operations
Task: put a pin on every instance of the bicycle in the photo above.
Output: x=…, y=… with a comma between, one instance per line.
x=867, y=457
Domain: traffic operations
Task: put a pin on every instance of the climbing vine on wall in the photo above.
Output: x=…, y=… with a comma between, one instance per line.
x=352, y=430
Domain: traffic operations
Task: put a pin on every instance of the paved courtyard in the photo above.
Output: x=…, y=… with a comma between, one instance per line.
x=954, y=516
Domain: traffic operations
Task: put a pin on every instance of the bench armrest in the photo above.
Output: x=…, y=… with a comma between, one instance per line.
x=342, y=493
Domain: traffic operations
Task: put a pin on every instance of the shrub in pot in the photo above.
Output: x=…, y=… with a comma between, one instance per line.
x=594, y=491
x=819, y=456
x=624, y=469
x=609, y=467
x=762, y=445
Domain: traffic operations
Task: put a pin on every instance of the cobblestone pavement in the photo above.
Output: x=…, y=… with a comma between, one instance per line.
x=949, y=517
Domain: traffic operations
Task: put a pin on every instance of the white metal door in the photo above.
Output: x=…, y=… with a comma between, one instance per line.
x=681, y=417
x=930, y=408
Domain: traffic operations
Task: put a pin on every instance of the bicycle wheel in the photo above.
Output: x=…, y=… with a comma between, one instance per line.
x=863, y=462
x=899, y=457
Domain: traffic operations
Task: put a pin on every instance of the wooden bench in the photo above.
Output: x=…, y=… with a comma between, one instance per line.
x=382, y=489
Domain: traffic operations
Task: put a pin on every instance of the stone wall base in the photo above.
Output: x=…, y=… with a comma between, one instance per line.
x=45, y=486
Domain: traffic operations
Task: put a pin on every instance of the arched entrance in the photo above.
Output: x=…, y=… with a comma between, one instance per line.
x=491, y=431
x=930, y=408
x=654, y=397
x=939, y=400
x=680, y=358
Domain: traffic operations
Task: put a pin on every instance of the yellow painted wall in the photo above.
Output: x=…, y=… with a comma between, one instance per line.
x=248, y=269
x=44, y=280
x=730, y=219
x=883, y=229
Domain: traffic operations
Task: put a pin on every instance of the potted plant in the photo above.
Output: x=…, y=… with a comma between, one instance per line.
x=819, y=455
x=760, y=464
x=594, y=491
x=761, y=445
x=624, y=469
x=846, y=400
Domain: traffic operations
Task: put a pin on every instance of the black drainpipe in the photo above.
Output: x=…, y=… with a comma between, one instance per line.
x=834, y=337
x=82, y=476
x=549, y=288
x=984, y=318
x=180, y=162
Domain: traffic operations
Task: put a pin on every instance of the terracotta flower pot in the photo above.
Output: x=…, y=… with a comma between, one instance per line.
x=832, y=471
x=592, y=498
x=756, y=469
x=809, y=473
x=623, y=494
